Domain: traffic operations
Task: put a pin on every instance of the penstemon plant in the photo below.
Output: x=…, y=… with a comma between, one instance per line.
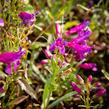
x=84, y=90
x=58, y=78
x=15, y=26
x=61, y=69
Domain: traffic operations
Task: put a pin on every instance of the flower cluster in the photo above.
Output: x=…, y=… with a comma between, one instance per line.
x=59, y=44
x=78, y=44
x=86, y=87
x=13, y=58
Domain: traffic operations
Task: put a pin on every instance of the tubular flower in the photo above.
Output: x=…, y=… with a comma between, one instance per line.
x=27, y=18
x=81, y=39
x=77, y=28
x=10, y=58
x=81, y=52
x=79, y=45
x=82, y=36
x=90, y=78
x=58, y=29
x=44, y=61
x=89, y=66
x=75, y=87
x=1, y=22
x=59, y=44
x=101, y=92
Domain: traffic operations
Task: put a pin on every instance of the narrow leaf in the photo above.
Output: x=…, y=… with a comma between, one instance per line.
x=56, y=102
x=27, y=88
x=106, y=74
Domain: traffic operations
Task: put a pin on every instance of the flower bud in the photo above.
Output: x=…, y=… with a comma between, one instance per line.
x=90, y=78
x=101, y=92
x=75, y=87
x=47, y=53
x=45, y=61
x=81, y=81
x=98, y=84
x=89, y=66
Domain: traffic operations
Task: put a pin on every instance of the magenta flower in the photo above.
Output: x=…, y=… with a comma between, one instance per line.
x=27, y=18
x=101, y=92
x=1, y=22
x=77, y=28
x=79, y=45
x=44, y=61
x=83, y=35
x=75, y=87
x=90, y=78
x=81, y=38
x=89, y=66
x=80, y=51
x=59, y=44
x=10, y=58
x=98, y=84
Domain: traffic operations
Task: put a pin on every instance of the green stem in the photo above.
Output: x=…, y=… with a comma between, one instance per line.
x=87, y=102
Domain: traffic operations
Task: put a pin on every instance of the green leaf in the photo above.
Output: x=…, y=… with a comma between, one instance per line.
x=28, y=8
x=38, y=73
x=70, y=24
x=49, y=14
x=106, y=74
x=50, y=84
x=36, y=45
x=56, y=102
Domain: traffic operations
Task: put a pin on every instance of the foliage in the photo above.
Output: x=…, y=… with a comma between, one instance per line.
x=44, y=78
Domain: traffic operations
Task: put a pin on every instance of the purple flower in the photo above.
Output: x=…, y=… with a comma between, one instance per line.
x=77, y=28
x=79, y=45
x=88, y=66
x=1, y=22
x=80, y=51
x=10, y=58
x=101, y=92
x=81, y=38
x=27, y=18
x=59, y=44
x=83, y=35
x=75, y=87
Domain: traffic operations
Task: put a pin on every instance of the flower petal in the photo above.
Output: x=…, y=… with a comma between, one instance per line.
x=8, y=69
